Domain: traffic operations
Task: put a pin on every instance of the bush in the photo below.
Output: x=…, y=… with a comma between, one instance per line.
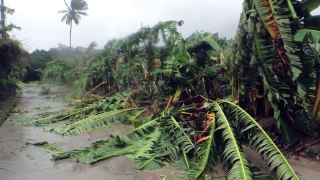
x=11, y=67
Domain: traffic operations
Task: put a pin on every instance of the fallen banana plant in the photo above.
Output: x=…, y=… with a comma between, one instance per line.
x=173, y=138
x=57, y=117
x=102, y=120
x=89, y=113
x=261, y=142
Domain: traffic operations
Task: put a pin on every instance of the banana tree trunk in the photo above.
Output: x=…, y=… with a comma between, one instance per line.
x=317, y=101
x=234, y=84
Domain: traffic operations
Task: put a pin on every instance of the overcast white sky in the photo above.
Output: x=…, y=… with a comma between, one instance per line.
x=108, y=19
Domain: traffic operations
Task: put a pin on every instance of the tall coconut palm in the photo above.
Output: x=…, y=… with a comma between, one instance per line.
x=73, y=13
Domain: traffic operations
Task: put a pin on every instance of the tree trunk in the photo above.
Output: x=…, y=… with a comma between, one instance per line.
x=315, y=108
x=234, y=85
x=70, y=34
x=3, y=21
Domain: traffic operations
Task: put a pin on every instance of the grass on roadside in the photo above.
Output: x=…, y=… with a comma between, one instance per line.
x=7, y=106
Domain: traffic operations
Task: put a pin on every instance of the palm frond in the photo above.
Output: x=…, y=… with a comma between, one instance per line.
x=174, y=143
x=64, y=115
x=283, y=17
x=232, y=153
x=183, y=139
x=64, y=17
x=99, y=121
x=262, y=143
x=132, y=142
x=277, y=90
x=265, y=12
x=63, y=11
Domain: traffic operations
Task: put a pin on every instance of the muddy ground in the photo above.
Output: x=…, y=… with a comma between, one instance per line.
x=21, y=161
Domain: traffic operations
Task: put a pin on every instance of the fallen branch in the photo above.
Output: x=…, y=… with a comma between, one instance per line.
x=87, y=95
x=306, y=146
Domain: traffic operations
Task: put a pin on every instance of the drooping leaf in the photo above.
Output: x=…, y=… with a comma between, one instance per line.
x=262, y=143
x=232, y=154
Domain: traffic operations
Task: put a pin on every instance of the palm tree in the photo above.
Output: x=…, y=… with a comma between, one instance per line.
x=73, y=13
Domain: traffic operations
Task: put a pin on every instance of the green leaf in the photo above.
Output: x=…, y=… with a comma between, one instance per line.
x=232, y=154
x=151, y=165
x=310, y=5
x=262, y=143
x=100, y=121
x=136, y=144
x=184, y=140
x=307, y=35
x=300, y=36
x=61, y=116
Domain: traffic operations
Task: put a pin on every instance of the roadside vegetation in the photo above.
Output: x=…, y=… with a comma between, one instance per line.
x=12, y=66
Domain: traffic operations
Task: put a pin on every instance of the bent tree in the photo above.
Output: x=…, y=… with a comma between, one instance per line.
x=276, y=68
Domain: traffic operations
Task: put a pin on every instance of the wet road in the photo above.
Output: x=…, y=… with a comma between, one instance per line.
x=19, y=161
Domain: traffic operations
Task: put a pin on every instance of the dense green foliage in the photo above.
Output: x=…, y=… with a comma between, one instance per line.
x=173, y=90
x=37, y=61
x=173, y=101
x=276, y=70
x=184, y=136
x=11, y=67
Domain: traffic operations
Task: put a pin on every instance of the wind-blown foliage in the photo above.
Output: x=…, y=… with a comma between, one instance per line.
x=261, y=142
x=172, y=94
x=116, y=146
x=74, y=11
x=168, y=139
x=232, y=153
x=62, y=116
x=272, y=37
x=99, y=121
x=11, y=67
